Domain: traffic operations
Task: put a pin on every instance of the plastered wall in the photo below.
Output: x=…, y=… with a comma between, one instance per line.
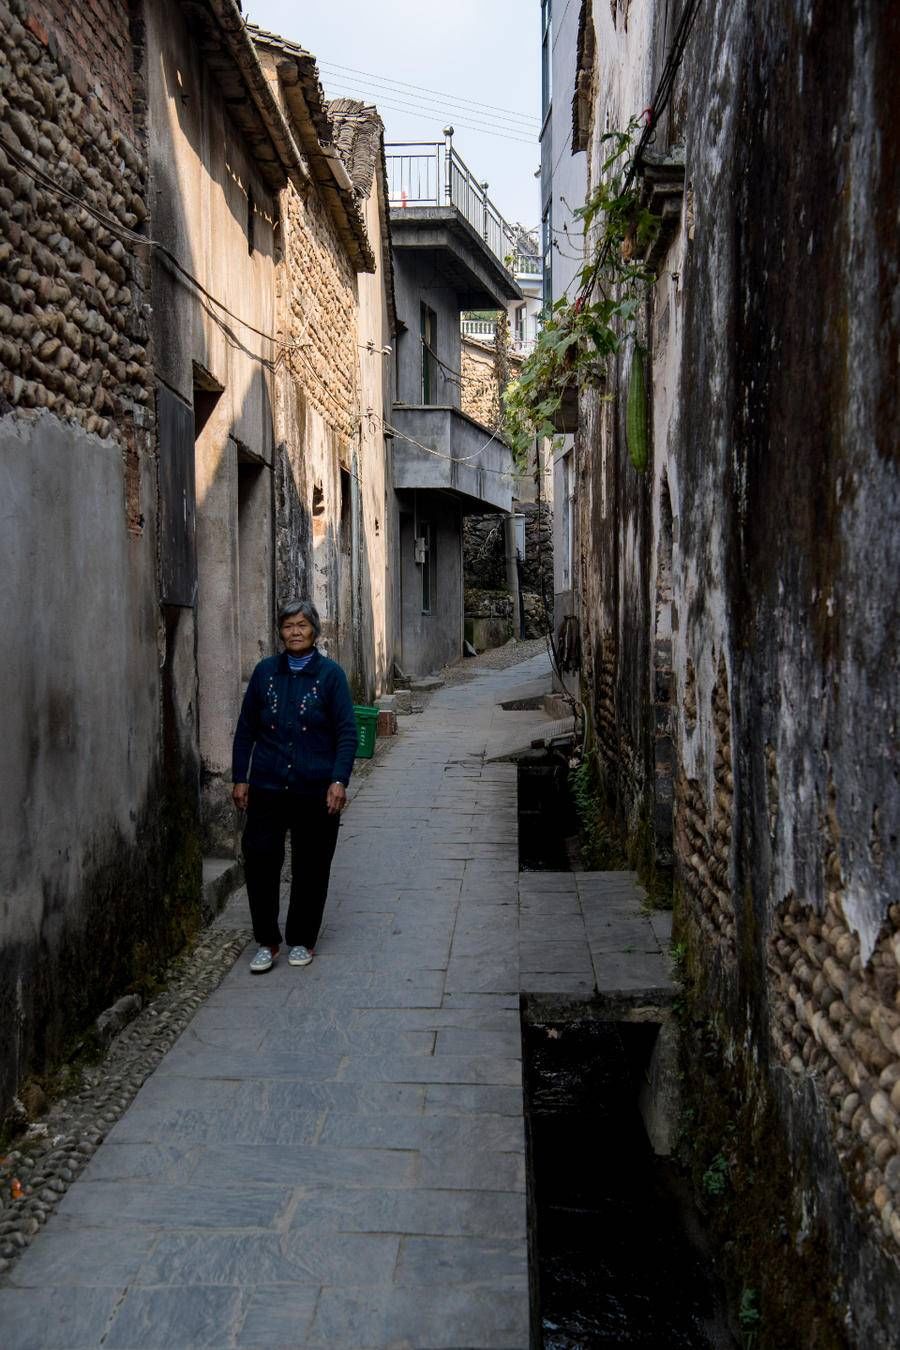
x=736, y=603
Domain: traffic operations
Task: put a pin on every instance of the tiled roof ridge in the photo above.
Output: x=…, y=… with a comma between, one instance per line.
x=358, y=130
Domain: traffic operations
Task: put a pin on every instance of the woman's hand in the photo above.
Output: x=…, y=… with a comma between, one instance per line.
x=240, y=794
x=336, y=799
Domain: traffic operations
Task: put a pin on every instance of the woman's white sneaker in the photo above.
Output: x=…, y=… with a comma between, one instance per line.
x=263, y=960
x=300, y=956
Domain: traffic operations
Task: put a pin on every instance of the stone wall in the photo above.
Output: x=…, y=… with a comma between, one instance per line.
x=319, y=414
x=319, y=311
x=74, y=339
x=99, y=878
x=484, y=550
x=96, y=39
x=479, y=395
x=737, y=603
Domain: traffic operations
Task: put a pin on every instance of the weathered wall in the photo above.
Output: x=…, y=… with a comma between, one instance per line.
x=738, y=602
x=96, y=885
x=479, y=395
x=431, y=640
x=336, y=526
x=417, y=283
x=563, y=187
x=375, y=583
x=204, y=186
x=318, y=413
x=97, y=41
x=484, y=552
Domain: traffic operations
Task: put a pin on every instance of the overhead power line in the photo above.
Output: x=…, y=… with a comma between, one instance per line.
x=511, y=113
x=433, y=109
x=425, y=112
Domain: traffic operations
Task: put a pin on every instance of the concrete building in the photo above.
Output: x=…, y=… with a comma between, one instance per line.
x=563, y=190
x=737, y=603
x=449, y=251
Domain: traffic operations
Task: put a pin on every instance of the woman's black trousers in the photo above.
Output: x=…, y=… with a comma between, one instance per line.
x=313, y=839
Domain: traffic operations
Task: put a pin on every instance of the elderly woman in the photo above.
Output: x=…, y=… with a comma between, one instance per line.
x=297, y=723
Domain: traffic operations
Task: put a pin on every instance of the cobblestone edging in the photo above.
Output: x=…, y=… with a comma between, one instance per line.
x=36, y=1174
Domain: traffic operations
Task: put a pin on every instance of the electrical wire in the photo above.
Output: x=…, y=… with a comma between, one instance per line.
x=652, y=114
x=441, y=94
x=440, y=109
x=424, y=112
x=116, y=227
x=440, y=454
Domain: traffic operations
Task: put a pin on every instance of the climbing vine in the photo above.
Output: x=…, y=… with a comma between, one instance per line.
x=579, y=335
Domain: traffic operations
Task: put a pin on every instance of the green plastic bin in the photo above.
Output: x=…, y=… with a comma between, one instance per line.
x=367, y=725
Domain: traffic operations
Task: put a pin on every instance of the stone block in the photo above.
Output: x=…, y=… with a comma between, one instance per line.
x=111, y=1022
x=387, y=723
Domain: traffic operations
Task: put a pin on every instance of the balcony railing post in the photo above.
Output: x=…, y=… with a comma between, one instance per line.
x=448, y=164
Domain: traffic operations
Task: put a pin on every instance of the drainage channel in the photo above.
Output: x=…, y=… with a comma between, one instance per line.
x=617, y=1258
x=617, y=1255
x=547, y=821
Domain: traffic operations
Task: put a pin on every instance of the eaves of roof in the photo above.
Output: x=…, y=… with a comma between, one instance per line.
x=219, y=30
x=359, y=135
x=298, y=76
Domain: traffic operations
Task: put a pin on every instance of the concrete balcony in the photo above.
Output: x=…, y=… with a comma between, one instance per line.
x=437, y=205
x=455, y=454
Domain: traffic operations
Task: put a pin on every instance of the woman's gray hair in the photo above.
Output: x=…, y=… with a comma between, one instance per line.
x=304, y=607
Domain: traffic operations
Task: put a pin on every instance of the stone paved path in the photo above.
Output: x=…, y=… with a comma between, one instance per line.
x=334, y=1156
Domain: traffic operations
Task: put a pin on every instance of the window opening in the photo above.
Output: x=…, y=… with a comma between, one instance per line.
x=425, y=559
x=251, y=221
x=547, y=230
x=429, y=346
x=520, y=323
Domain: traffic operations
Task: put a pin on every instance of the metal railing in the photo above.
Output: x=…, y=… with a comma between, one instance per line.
x=527, y=265
x=485, y=330
x=426, y=173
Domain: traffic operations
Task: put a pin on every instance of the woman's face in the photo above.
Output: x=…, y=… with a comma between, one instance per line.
x=297, y=634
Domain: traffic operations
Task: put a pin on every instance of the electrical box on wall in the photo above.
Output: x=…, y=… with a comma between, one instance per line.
x=421, y=549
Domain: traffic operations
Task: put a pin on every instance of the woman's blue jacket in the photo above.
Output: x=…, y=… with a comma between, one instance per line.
x=299, y=728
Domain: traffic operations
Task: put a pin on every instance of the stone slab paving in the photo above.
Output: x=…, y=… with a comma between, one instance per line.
x=334, y=1156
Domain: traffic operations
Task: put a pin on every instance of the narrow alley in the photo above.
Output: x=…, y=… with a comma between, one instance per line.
x=322, y=1146
x=464, y=436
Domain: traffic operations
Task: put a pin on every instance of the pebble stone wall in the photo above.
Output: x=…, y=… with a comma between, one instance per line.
x=703, y=835
x=839, y=1021
x=835, y=1020
x=319, y=287
x=73, y=335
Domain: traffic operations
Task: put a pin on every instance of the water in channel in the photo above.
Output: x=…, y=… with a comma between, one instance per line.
x=613, y=1261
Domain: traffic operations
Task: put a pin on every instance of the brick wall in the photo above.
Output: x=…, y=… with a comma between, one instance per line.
x=478, y=395
x=94, y=34
x=319, y=312
x=73, y=338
